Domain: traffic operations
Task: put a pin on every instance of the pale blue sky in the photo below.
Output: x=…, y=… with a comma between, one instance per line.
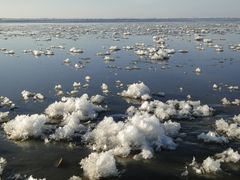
x=118, y=8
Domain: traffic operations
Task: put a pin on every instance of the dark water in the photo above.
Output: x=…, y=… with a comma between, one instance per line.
x=24, y=71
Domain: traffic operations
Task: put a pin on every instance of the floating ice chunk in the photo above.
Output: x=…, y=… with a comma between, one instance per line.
x=75, y=178
x=66, y=61
x=6, y=102
x=225, y=101
x=60, y=93
x=232, y=130
x=141, y=52
x=37, y=53
x=104, y=87
x=38, y=96
x=75, y=50
x=172, y=128
x=231, y=88
x=236, y=118
x=219, y=49
x=82, y=105
x=198, y=38
x=140, y=132
x=198, y=70
x=32, y=178
x=49, y=53
x=76, y=84
x=58, y=87
x=212, y=137
x=137, y=91
x=215, y=86
x=78, y=66
x=3, y=116
x=228, y=155
x=114, y=48
x=170, y=51
x=98, y=99
x=236, y=102
x=101, y=165
x=27, y=95
x=108, y=58
x=211, y=165
x=87, y=78
x=207, y=40
x=3, y=164
x=23, y=127
x=176, y=109
x=71, y=126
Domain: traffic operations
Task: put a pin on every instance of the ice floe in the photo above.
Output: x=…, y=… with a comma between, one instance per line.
x=99, y=165
x=3, y=116
x=27, y=95
x=137, y=91
x=212, y=165
x=23, y=127
x=3, y=164
x=82, y=105
x=142, y=131
x=231, y=129
x=6, y=102
x=212, y=137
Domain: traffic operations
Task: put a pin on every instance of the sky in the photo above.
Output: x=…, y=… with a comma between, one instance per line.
x=119, y=8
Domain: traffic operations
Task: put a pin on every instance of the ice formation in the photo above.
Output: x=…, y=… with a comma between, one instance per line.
x=198, y=70
x=141, y=132
x=230, y=129
x=6, y=102
x=70, y=125
x=75, y=178
x=176, y=109
x=137, y=91
x=211, y=165
x=75, y=50
x=97, y=99
x=3, y=164
x=225, y=101
x=212, y=137
x=3, y=116
x=76, y=84
x=27, y=95
x=101, y=165
x=82, y=105
x=23, y=127
x=104, y=87
x=32, y=178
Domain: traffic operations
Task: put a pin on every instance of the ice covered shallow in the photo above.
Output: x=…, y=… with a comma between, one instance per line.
x=167, y=78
